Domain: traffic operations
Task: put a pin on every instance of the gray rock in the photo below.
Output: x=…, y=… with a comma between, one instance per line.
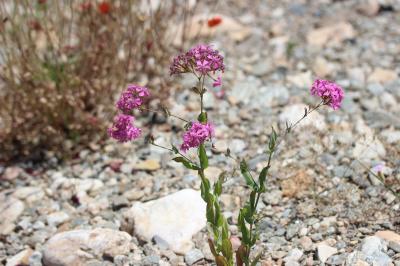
x=381, y=119
x=271, y=96
x=292, y=230
x=376, y=88
x=35, y=259
x=151, y=260
x=57, y=218
x=337, y=259
x=237, y=146
x=193, y=256
x=161, y=243
x=374, y=248
x=77, y=247
x=293, y=256
x=119, y=202
x=121, y=260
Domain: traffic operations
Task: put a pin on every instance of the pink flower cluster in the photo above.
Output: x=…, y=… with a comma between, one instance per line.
x=196, y=135
x=132, y=98
x=331, y=93
x=201, y=58
x=123, y=129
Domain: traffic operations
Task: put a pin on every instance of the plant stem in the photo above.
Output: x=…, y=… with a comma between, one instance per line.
x=169, y=114
x=173, y=151
x=162, y=147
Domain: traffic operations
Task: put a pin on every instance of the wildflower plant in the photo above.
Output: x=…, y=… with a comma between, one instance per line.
x=204, y=62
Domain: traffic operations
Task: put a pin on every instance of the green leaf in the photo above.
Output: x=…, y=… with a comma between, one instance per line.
x=227, y=249
x=218, y=214
x=175, y=149
x=272, y=140
x=218, y=188
x=212, y=247
x=262, y=177
x=241, y=255
x=205, y=189
x=225, y=229
x=253, y=201
x=203, y=156
x=243, y=228
x=221, y=261
x=244, y=169
x=210, y=212
x=186, y=163
x=247, y=213
x=204, y=192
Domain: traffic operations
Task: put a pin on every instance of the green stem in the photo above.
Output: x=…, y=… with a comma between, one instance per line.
x=173, y=151
x=169, y=114
x=162, y=147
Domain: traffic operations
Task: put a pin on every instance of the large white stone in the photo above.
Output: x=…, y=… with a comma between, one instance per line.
x=174, y=218
x=77, y=247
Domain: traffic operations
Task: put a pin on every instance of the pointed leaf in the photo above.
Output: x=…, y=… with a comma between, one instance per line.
x=227, y=250
x=186, y=163
x=212, y=247
x=221, y=261
x=243, y=228
x=210, y=213
x=241, y=255
x=218, y=188
x=246, y=174
x=262, y=177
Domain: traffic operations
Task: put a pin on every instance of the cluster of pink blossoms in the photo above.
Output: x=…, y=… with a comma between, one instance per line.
x=123, y=129
x=132, y=98
x=196, y=135
x=201, y=58
x=331, y=93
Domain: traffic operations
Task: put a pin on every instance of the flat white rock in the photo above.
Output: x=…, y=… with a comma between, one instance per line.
x=174, y=218
x=325, y=251
x=77, y=247
x=10, y=209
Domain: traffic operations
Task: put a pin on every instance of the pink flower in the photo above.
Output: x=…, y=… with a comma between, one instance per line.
x=196, y=135
x=133, y=97
x=123, y=129
x=203, y=66
x=201, y=58
x=378, y=168
x=218, y=82
x=331, y=93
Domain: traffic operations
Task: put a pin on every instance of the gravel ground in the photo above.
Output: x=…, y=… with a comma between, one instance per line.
x=107, y=206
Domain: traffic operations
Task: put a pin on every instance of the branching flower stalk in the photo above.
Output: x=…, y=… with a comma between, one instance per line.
x=203, y=62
